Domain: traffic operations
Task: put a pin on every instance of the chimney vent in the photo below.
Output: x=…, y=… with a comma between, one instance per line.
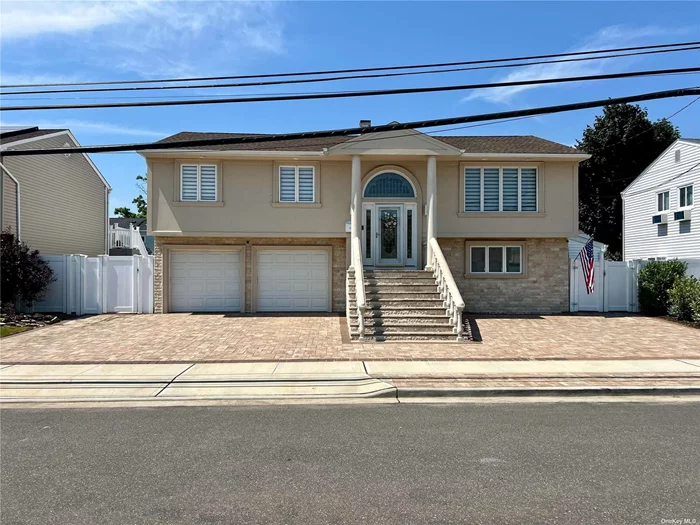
x=365, y=123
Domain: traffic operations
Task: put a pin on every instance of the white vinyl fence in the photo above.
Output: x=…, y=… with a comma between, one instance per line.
x=615, y=285
x=98, y=285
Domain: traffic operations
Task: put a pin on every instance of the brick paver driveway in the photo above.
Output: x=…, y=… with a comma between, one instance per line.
x=187, y=337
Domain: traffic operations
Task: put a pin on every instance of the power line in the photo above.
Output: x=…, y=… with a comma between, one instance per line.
x=356, y=70
x=352, y=94
x=344, y=77
x=251, y=139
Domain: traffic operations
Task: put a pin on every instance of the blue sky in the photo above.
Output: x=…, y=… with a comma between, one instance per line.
x=94, y=40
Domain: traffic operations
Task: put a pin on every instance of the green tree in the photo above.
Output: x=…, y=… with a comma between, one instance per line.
x=140, y=201
x=622, y=142
x=124, y=212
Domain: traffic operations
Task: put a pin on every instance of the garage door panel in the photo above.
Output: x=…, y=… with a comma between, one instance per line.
x=205, y=281
x=292, y=280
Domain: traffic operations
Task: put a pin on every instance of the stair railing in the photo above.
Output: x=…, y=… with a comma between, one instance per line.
x=360, y=300
x=448, y=289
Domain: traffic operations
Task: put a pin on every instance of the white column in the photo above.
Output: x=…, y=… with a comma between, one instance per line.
x=355, y=201
x=432, y=208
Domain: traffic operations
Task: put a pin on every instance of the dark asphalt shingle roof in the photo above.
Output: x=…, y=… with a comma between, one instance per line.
x=6, y=138
x=470, y=144
x=122, y=222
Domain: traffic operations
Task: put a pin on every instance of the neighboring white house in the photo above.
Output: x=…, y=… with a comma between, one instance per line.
x=658, y=213
x=577, y=243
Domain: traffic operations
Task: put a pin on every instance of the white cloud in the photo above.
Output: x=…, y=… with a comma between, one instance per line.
x=607, y=37
x=91, y=127
x=148, y=37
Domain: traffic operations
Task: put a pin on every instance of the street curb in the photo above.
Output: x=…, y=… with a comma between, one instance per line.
x=585, y=391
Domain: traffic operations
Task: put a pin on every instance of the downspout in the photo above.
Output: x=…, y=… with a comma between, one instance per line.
x=107, y=190
x=19, y=237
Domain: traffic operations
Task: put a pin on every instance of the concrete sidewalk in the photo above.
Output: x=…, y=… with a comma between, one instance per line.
x=342, y=379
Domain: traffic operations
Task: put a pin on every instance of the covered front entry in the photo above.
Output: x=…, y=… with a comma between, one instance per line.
x=389, y=234
x=389, y=220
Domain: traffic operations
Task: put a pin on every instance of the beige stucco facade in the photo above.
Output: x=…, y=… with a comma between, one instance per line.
x=247, y=211
x=63, y=199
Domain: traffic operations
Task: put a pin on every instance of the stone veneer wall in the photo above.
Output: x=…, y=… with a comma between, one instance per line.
x=339, y=266
x=545, y=288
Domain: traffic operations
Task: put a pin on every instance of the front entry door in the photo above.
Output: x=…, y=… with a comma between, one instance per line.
x=389, y=235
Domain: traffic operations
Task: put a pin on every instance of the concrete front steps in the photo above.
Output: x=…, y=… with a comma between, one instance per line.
x=402, y=305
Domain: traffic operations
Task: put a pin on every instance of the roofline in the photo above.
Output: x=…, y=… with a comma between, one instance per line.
x=688, y=142
x=57, y=134
x=321, y=153
x=32, y=139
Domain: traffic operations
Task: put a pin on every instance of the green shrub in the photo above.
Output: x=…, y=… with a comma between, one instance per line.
x=684, y=299
x=24, y=275
x=655, y=281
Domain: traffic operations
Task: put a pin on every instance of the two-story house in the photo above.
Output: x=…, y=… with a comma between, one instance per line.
x=269, y=226
x=659, y=220
x=57, y=204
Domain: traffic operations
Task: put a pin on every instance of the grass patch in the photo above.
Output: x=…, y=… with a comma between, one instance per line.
x=9, y=330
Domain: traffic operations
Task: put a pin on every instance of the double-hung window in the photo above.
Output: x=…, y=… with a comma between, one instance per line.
x=198, y=183
x=500, y=189
x=662, y=201
x=496, y=259
x=296, y=184
x=685, y=196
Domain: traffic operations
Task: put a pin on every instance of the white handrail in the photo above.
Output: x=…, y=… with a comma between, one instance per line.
x=359, y=287
x=127, y=238
x=448, y=288
x=137, y=240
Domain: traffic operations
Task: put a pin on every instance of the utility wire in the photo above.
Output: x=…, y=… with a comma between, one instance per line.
x=352, y=94
x=344, y=77
x=356, y=70
x=254, y=139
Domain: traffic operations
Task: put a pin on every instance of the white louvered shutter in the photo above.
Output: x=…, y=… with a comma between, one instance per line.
x=510, y=189
x=528, y=190
x=491, y=189
x=287, y=184
x=207, y=183
x=189, y=183
x=472, y=189
x=306, y=185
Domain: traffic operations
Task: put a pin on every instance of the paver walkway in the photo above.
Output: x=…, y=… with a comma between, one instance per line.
x=217, y=338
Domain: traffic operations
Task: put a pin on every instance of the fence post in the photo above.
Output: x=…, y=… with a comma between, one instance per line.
x=603, y=284
x=573, y=288
x=104, y=290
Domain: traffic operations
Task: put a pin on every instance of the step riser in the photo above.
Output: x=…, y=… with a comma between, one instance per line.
x=412, y=329
x=379, y=321
x=398, y=275
x=404, y=305
x=392, y=338
x=418, y=296
x=397, y=289
x=438, y=313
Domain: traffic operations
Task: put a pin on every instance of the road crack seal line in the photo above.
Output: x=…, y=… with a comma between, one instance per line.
x=173, y=380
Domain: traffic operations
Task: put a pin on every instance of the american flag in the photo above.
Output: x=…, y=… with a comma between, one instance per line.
x=587, y=265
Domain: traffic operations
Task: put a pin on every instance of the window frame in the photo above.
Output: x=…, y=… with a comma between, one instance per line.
x=667, y=201
x=296, y=168
x=692, y=193
x=199, y=181
x=538, y=186
x=504, y=261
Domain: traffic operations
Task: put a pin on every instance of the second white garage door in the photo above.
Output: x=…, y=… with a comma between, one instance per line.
x=205, y=281
x=292, y=281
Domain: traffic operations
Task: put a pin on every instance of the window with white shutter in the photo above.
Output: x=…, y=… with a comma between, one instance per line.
x=296, y=184
x=495, y=189
x=198, y=183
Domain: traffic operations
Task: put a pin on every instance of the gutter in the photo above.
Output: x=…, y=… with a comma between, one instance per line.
x=2, y=166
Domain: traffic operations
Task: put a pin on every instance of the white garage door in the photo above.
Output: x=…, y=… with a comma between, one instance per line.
x=205, y=281
x=292, y=280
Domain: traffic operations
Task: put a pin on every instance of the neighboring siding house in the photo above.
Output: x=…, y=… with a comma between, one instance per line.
x=266, y=227
x=660, y=220
x=57, y=204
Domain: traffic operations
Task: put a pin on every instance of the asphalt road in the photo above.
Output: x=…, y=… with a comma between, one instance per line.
x=399, y=464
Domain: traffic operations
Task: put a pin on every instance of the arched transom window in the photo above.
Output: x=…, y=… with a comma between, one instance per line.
x=389, y=184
